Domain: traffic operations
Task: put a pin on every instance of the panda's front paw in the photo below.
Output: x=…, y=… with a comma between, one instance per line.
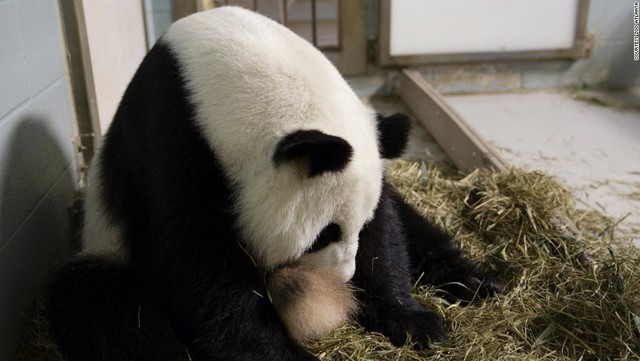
x=491, y=285
x=472, y=287
x=422, y=326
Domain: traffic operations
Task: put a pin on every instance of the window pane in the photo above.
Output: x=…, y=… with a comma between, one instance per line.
x=273, y=9
x=327, y=24
x=299, y=18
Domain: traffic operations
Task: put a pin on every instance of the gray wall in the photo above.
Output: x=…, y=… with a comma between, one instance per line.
x=37, y=172
x=610, y=65
x=159, y=15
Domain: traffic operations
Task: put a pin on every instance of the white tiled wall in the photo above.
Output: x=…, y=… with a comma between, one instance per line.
x=37, y=172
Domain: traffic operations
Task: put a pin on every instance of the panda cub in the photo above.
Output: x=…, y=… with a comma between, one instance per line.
x=238, y=206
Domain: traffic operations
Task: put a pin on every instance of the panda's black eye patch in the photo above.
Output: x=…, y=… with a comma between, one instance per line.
x=331, y=233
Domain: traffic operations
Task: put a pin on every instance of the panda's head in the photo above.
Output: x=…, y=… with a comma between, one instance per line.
x=304, y=155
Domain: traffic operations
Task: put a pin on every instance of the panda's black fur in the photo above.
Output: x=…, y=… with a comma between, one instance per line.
x=186, y=288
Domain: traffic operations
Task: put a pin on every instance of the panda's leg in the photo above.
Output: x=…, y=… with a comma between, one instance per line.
x=437, y=261
x=383, y=277
x=97, y=314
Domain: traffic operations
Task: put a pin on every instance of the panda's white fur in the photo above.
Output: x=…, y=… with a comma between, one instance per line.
x=239, y=165
x=100, y=235
x=310, y=303
x=281, y=210
x=280, y=84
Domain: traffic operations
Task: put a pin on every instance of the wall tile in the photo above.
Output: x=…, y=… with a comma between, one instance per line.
x=14, y=77
x=611, y=20
x=624, y=70
x=162, y=5
x=35, y=148
x=39, y=243
x=473, y=78
x=42, y=42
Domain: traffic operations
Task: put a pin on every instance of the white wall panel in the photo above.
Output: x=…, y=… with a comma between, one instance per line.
x=117, y=44
x=480, y=26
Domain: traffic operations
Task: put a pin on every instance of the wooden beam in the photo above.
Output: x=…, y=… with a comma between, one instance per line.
x=182, y=8
x=464, y=146
x=81, y=79
x=351, y=58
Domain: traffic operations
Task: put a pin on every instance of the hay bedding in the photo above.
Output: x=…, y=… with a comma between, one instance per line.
x=572, y=294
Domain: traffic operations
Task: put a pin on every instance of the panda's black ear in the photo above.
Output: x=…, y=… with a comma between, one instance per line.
x=394, y=134
x=318, y=151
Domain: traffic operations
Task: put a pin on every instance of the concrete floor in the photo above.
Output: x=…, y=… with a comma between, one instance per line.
x=591, y=141
x=593, y=145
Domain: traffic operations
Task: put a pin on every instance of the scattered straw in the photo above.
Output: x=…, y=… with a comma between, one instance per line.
x=572, y=292
x=36, y=343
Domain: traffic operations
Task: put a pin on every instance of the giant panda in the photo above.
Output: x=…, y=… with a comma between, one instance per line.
x=238, y=205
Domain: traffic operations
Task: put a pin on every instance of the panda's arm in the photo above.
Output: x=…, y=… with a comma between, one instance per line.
x=383, y=277
x=437, y=261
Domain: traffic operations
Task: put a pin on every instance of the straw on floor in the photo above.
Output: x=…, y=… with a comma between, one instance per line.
x=573, y=291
